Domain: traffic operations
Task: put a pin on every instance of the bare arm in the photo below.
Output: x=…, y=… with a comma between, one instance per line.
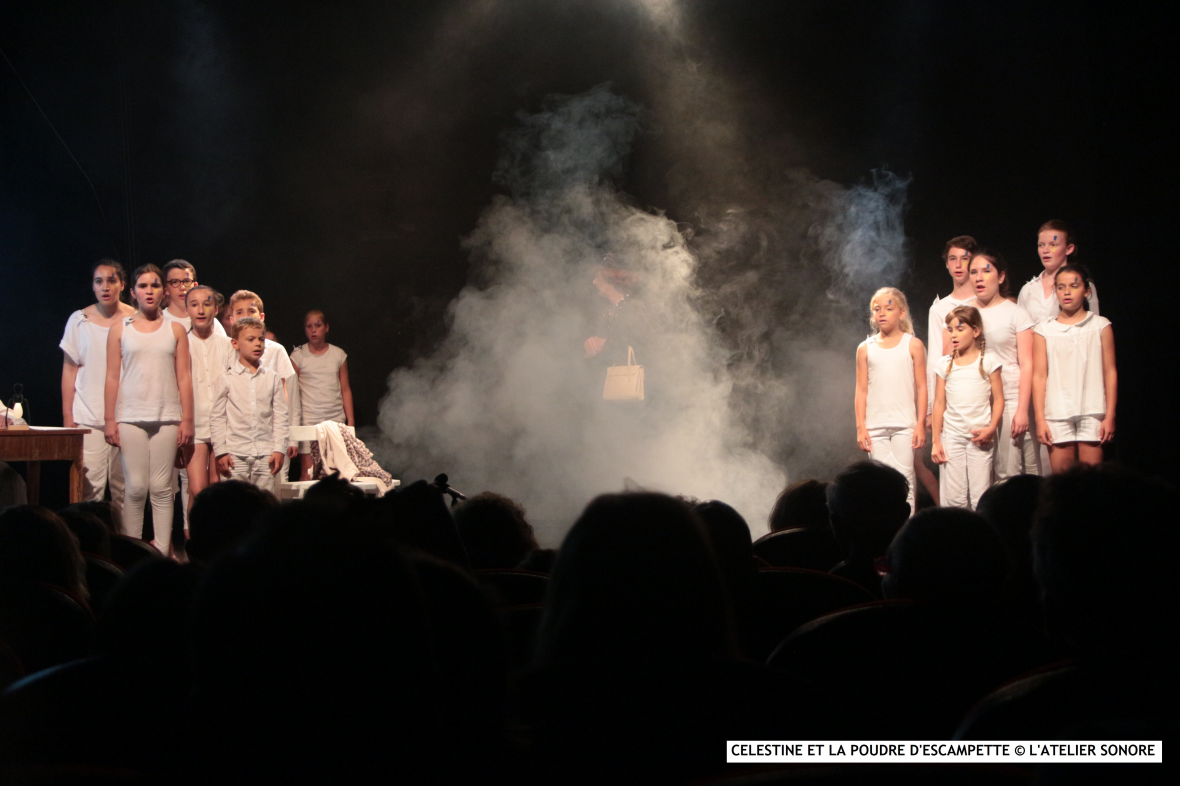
x=1040, y=377
x=346, y=394
x=937, y=454
x=918, y=353
x=69, y=375
x=184, y=380
x=1024, y=357
x=111, y=394
x=982, y=436
x=1110, y=378
x=861, y=399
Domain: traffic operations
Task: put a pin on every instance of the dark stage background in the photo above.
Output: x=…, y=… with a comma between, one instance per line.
x=334, y=155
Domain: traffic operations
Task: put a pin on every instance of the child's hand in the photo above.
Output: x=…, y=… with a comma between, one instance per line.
x=225, y=463
x=276, y=461
x=1044, y=435
x=862, y=439
x=110, y=431
x=184, y=434
x=293, y=450
x=937, y=454
x=1019, y=425
x=919, y=439
x=1106, y=431
x=982, y=437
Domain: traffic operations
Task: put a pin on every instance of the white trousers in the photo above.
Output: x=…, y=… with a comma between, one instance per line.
x=966, y=474
x=1019, y=458
x=254, y=470
x=894, y=447
x=102, y=466
x=149, y=451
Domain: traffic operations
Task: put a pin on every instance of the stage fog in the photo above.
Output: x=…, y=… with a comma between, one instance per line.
x=753, y=287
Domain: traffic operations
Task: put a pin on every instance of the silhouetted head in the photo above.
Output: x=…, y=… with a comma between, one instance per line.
x=147, y=616
x=802, y=504
x=416, y=517
x=37, y=546
x=1009, y=507
x=635, y=581
x=948, y=556
x=93, y=536
x=729, y=535
x=494, y=531
x=312, y=655
x=222, y=514
x=106, y=513
x=867, y=503
x=1105, y=544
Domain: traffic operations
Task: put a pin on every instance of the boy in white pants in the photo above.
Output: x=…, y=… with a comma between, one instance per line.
x=249, y=417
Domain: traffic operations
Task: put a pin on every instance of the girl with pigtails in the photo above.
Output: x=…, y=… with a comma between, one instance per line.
x=968, y=409
x=891, y=387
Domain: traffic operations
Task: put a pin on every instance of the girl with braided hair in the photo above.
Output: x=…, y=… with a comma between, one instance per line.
x=968, y=409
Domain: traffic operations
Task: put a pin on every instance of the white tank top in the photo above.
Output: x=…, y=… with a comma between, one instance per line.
x=319, y=383
x=147, y=385
x=892, y=401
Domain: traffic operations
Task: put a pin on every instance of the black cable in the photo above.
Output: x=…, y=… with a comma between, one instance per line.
x=93, y=190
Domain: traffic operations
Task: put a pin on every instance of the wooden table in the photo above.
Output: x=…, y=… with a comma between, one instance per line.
x=34, y=445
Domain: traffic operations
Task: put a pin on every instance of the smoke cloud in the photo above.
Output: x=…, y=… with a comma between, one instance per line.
x=752, y=305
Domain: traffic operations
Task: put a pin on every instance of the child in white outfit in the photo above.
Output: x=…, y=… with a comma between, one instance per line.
x=249, y=417
x=891, y=387
x=211, y=355
x=324, y=391
x=968, y=408
x=1075, y=381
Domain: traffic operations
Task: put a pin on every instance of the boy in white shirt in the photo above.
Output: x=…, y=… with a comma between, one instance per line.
x=249, y=418
x=245, y=303
x=211, y=355
x=180, y=278
x=956, y=254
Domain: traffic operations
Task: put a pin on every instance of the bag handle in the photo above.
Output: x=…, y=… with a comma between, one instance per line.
x=631, y=356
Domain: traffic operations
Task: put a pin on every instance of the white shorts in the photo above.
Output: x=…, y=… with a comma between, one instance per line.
x=1083, y=428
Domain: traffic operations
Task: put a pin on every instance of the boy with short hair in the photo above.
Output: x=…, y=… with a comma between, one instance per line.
x=245, y=303
x=956, y=255
x=211, y=355
x=249, y=418
x=180, y=277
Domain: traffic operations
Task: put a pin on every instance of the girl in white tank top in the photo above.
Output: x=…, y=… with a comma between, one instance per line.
x=148, y=404
x=891, y=386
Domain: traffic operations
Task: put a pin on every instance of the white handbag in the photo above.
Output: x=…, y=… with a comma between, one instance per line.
x=624, y=383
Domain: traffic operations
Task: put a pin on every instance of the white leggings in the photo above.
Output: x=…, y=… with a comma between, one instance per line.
x=894, y=447
x=149, y=451
x=1019, y=458
x=966, y=474
x=102, y=466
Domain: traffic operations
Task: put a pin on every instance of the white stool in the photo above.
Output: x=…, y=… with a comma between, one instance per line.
x=297, y=489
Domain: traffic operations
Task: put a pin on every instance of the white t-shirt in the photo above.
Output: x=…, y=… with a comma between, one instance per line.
x=210, y=358
x=85, y=343
x=1040, y=307
x=319, y=384
x=891, y=398
x=1075, y=385
x=968, y=395
x=275, y=358
x=935, y=325
x=187, y=323
x=1001, y=323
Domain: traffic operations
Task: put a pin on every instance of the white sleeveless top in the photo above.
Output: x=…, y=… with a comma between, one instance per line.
x=319, y=384
x=85, y=343
x=1075, y=385
x=147, y=385
x=892, y=400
